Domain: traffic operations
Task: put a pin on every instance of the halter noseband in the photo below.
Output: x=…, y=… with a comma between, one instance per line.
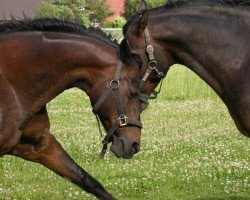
x=122, y=119
x=152, y=66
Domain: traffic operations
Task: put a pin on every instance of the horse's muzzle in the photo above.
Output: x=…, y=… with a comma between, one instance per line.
x=124, y=148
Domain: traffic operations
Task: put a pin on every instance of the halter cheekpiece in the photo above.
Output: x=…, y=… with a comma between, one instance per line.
x=152, y=66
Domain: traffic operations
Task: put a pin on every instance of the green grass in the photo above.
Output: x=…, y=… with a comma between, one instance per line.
x=190, y=150
x=181, y=83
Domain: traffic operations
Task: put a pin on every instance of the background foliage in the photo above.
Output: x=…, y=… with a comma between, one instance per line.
x=131, y=6
x=81, y=11
x=119, y=22
x=99, y=10
x=88, y=12
x=72, y=10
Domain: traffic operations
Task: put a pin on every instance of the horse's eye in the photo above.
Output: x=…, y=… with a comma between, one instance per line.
x=133, y=94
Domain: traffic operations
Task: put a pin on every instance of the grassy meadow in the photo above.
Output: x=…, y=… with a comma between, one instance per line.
x=190, y=150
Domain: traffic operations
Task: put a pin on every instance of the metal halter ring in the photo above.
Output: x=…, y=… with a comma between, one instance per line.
x=152, y=64
x=122, y=120
x=114, y=84
x=160, y=75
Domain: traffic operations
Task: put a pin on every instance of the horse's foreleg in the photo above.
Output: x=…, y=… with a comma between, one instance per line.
x=51, y=154
x=38, y=145
x=9, y=117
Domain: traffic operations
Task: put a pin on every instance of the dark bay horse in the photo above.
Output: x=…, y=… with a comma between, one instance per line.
x=41, y=58
x=209, y=37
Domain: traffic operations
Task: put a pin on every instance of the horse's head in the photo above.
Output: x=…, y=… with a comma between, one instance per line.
x=141, y=38
x=115, y=99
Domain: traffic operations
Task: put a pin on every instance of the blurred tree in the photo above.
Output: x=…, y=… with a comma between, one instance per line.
x=72, y=10
x=48, y=10
x=119, y=22
x=131, y=6
x=99, y=10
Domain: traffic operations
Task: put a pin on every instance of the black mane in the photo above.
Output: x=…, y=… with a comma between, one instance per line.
x=232, y=3
x=54, y=25
x=242, y=4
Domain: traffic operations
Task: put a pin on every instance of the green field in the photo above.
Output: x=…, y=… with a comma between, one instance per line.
x=190, y=150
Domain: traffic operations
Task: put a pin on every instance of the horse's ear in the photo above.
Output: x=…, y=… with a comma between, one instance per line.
x=143, y=6
x=141, y=24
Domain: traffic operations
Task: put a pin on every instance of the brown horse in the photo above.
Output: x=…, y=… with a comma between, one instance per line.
x=209, y=37
x=41, y=58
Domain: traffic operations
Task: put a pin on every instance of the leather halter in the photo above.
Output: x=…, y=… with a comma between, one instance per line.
x=152, y=66
x=122, y=119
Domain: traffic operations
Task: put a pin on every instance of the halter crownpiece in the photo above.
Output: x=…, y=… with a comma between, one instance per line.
x=122, y=119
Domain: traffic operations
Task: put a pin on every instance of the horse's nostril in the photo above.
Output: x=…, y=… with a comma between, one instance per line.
x=136, y=147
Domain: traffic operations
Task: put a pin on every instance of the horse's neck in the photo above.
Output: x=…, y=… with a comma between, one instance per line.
x=84, y=61
x=203, y=43
x=50, y=63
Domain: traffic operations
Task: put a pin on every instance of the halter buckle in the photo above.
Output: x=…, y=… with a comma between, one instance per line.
x=122, y=120
x=150, y=49
x=114, y=84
